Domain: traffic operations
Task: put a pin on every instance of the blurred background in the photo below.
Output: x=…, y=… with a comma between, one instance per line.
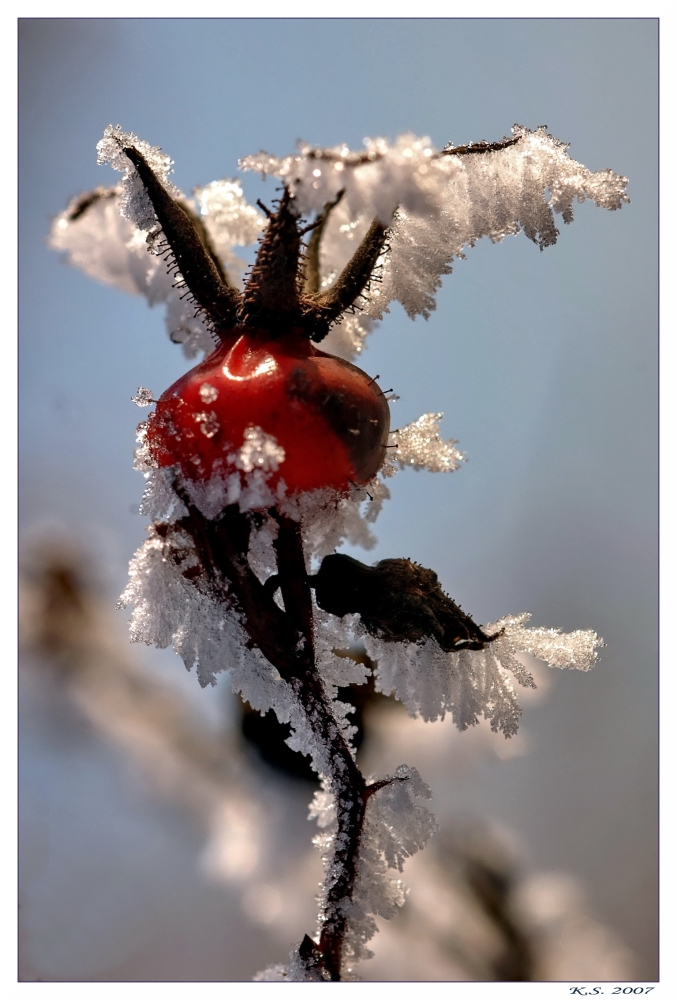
x=156, y=842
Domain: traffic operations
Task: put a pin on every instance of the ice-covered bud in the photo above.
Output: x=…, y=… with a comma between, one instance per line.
x=397, y=600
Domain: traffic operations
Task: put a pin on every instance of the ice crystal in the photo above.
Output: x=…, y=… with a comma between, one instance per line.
x=209, y=425
x=208, y=393
x=144, y=397
x=143, y=461
x=229, y=219
x=420, y=446
x=396, y=825
x=296, y=971
x=470, y=684
x=436, y=202
x=259, y=451
x=173, y=605
x=135, y=204
x=261, y=555
x=108, y=232
x=160, y=501
x=375, y=181
x=495, y=194
x=346, y=339
x=328, y=519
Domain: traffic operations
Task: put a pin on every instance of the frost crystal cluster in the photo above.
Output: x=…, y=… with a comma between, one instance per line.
x=240, y=571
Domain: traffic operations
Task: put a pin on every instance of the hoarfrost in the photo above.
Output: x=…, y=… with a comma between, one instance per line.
x=437, y=203
x=143, y=461
x=94, y=237
x=208, y=393
x=332, y=636
x=296, y=971
x=173, y=605
x=144, y=397
x=328, y=519
x=495, y=194
x=249, y=490
x=259, y=451
x=470, y=684
x=108, y=232
x=209, y=424
x=135, y=204
x=230, y=221
x=340, y=238
x=420, y=446
x=241, y=477
x=375, y=181
x=396, y=826
x=160, y=501
x=346, y=339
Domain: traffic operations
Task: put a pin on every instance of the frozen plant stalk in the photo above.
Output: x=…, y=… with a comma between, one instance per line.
x=259, y=461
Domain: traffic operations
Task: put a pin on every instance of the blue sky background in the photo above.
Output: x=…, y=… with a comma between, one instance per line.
x=544, y=364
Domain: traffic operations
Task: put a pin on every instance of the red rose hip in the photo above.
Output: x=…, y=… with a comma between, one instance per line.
x=330, y=421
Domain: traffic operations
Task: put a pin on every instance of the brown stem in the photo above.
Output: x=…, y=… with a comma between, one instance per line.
x=360, y=159
x=479, y=147
x=221, y=546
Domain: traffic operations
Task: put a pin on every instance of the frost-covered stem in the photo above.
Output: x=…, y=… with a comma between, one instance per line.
x=286, y=639
x=347, y=783
x=348, y=787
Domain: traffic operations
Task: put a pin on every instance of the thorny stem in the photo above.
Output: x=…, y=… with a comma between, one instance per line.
x=286, y=639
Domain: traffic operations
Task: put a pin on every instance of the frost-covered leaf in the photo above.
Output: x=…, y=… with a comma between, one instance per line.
x=375, y=180
x=103, y=244
x=472, y=684
x=437, y=201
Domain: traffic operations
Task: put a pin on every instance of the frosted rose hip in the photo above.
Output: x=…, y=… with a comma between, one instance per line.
x=329, y=417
